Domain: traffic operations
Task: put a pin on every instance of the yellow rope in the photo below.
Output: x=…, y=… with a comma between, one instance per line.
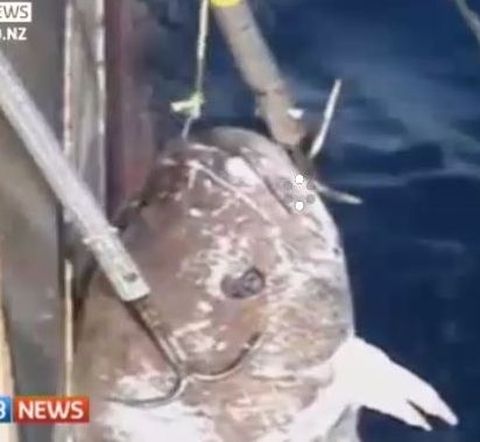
x=192, y=106
x=224, y=3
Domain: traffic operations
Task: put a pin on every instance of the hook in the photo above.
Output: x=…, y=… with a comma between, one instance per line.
x=153, y=325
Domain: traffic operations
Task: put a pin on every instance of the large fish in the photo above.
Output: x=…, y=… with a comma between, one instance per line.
x=236, y=269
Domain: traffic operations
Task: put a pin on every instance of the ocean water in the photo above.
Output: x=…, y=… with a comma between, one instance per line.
x=406, y=139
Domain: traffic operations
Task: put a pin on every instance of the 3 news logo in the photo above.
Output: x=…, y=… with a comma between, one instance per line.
x=15, y=12
x=44, y=410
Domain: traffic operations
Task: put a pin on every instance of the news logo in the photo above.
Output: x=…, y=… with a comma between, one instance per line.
x=15, y=12
x=5, y=409
x=44, y=410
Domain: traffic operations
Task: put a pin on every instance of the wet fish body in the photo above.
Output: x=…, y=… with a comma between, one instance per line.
x=229, y=255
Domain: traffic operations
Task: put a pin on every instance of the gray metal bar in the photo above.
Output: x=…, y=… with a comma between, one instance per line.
x=41, y=143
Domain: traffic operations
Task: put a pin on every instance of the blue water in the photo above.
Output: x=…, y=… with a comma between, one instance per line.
x=405, y=138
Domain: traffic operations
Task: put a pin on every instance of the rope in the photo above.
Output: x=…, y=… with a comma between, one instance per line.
x=192, y=106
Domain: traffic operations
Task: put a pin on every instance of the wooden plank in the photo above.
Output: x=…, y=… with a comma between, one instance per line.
x=259, y=70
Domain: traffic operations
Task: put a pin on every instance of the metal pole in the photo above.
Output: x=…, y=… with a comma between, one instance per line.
x=41, y=143
x=101, y=86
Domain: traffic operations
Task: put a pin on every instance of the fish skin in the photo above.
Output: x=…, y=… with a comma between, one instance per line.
x=214, y=207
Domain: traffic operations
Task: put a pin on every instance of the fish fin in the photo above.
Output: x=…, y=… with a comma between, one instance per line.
x=371, y=379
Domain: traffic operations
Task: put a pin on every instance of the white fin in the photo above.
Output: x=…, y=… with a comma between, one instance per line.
x=366, y=376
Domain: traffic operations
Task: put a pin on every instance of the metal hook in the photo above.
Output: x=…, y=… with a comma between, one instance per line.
x=152, y=323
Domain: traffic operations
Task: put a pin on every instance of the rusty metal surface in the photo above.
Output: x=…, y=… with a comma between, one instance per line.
x=131, y=144
x=28, y=219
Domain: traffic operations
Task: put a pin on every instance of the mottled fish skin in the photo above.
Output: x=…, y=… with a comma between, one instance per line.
x=215, y=209
x=228, y=256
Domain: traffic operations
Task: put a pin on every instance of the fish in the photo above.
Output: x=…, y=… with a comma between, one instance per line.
x=246, y=265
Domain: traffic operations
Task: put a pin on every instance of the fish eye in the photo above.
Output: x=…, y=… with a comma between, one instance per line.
x=250, y=283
